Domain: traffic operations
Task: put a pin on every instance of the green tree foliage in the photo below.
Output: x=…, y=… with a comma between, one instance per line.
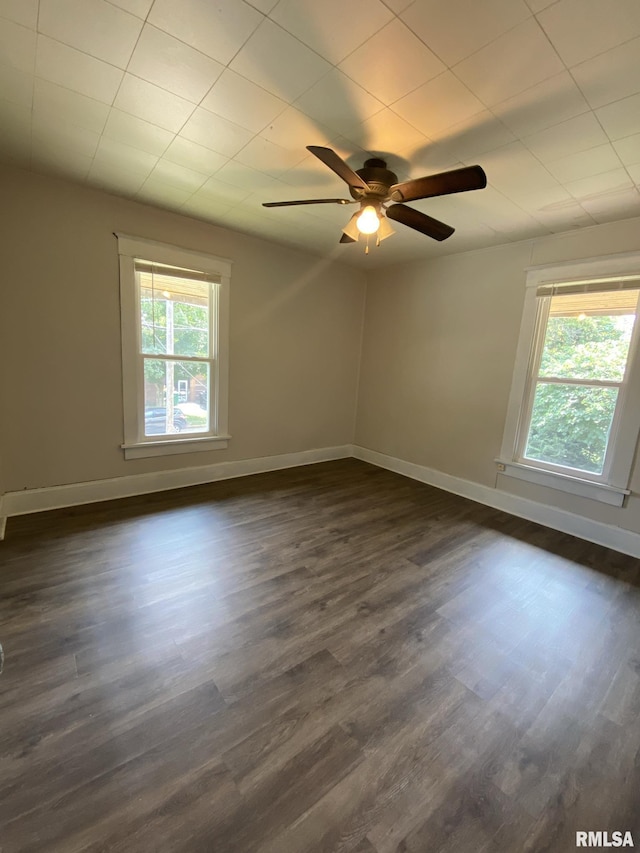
x=570, y=424
x=190, y=335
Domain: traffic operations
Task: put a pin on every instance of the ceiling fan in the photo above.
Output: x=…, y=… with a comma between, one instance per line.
x=376, y=189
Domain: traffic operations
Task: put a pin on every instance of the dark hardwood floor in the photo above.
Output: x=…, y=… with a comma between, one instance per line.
x=330, y=658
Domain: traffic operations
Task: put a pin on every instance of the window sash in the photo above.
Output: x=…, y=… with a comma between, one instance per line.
x=212, y=319
x=217, y=272
x=142, y=355
x=544, y=295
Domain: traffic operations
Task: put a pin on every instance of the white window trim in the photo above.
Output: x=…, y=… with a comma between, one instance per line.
x=614, y=490
x=136, y=445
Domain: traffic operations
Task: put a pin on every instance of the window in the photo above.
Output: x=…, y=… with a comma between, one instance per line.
x=174, y=306
x=574, y=411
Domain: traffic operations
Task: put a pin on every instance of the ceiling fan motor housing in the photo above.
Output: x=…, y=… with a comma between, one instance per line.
x=379, y=179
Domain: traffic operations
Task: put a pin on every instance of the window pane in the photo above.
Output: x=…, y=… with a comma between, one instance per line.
x=176, y=396
x=190, y=328
x=570, y=425
x=174, y=315
x=583, y=345
x=153, y=317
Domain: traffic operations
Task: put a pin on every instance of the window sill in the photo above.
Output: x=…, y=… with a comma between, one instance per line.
x=173, y=446
x=612, y=495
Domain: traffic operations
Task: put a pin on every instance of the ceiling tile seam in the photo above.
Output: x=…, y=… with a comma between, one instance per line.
x=405, y=95
x=287, y=104
x=84, y=53
x=513, y=95
x=78, y=50
x=602, y=53
x=33, y=90
x=588, y=109
x=569, y=203
x=207, y=178
x=18, y=23
x=111, y=108
x=231, y=206
x=315, y=83
x=292, y=103
x=194, y=49
x=597, y=118
x=433, y=141
x=75, y=92
x=504, y=194
x=228, y=66
x=393, y=11
x=248, y=38
x=431, y=80
x=125, y=69
x=136, y=148
x=586, y=151
x=144, y=20
x=308, y=46
x=616, y=101
x=516, y=204
x=594, y=109
x=357, y=47
x=334, y=130
x=486, y=107
x=451, y=69
x=251, y=34
x=548, y=37
x=473, y=52
x=553, y=178
x=176, y=186
x=552, y=3
x=333, y=66
x=569, y=154
x=196, y=105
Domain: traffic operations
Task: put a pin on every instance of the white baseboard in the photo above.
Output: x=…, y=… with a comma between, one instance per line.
x=57, y=497
x=608, y=535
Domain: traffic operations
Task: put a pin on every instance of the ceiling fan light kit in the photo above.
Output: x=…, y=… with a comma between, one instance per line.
x=353, y=230
x=368, y=222
x=381, y=197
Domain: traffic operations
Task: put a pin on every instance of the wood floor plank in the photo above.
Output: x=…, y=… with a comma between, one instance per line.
x=328, y=659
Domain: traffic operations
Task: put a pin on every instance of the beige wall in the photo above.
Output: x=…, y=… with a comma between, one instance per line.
x=435, y=367
x=294, y=337
x=438, y=351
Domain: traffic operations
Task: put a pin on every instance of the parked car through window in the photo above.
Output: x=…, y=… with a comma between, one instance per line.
x=157, y=423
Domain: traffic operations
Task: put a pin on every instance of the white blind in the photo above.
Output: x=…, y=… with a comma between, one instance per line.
x=593, y=285
x=175, y=272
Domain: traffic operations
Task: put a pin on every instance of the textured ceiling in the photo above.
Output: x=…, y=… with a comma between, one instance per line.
x=206, y=108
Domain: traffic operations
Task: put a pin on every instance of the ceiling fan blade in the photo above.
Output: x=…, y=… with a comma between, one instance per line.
x=346, y=239
x=419, y=221
x=307, y=201
x=455, y=181
x=329, y=157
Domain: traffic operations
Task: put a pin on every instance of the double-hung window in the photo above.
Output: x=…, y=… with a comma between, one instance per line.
x=174, y=307
x=574, y=412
